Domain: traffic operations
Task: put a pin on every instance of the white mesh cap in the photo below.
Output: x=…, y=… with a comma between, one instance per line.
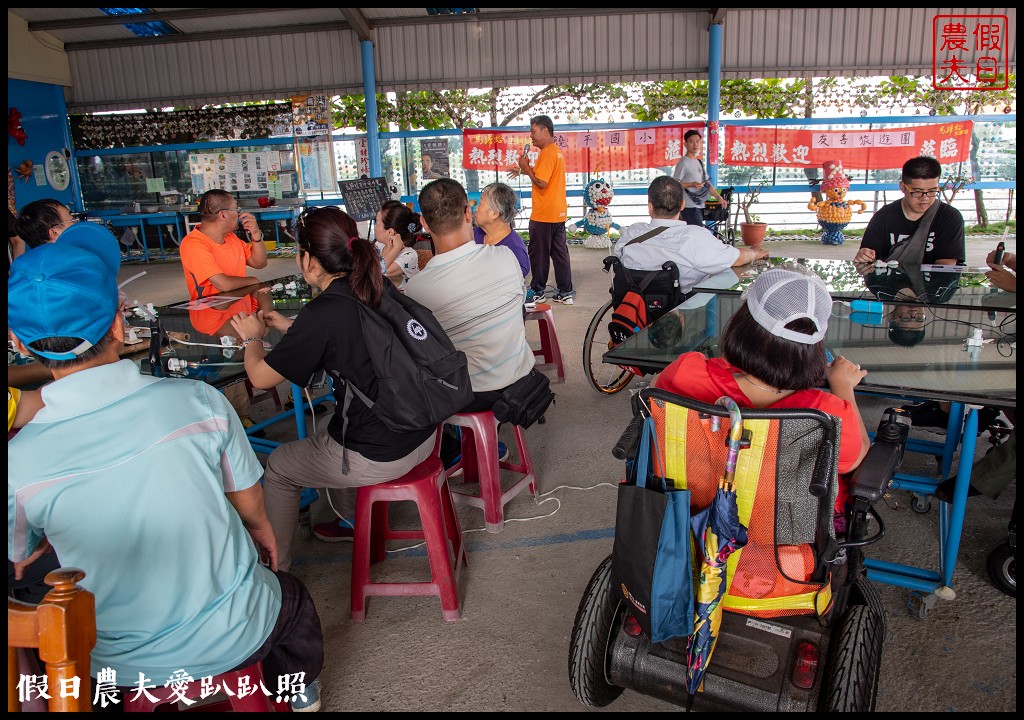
x=778, y=297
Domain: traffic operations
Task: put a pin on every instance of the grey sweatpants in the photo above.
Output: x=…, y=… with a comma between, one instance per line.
x=316, y=462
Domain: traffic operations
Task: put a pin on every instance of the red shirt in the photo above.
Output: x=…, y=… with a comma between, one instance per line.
x=704, y=380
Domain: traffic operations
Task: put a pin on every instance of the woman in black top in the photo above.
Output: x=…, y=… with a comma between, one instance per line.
x=326, y=335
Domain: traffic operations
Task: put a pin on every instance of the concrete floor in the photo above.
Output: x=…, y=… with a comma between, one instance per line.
x=522, y=586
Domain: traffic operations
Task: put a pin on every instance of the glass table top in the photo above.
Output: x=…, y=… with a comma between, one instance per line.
x=200, y=333
x=948, y=285
x=939, y=365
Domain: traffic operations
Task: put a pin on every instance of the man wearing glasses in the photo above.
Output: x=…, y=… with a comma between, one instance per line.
x=898, y=221
x=213, y=257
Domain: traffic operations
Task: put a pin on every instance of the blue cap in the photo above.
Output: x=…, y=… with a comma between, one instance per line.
x=65, y=289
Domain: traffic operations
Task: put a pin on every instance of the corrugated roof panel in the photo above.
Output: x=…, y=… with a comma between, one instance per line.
x=478, y=52
x=257, y=20
x=536, y=51
x=209, y=72
x=838, y=41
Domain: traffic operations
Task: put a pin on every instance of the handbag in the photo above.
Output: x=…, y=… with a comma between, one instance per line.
x=651, y=558
x=700, y=196
x=525, y=401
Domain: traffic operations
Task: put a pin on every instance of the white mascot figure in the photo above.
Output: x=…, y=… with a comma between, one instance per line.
x=597, y=221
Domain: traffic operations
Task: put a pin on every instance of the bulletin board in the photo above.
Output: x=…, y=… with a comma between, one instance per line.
x=234, y=172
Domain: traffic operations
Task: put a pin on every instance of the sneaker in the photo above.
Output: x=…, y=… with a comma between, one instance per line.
x=502, y=451
x=312, y=701
x=566, y=298
x=334, y=531
x=532, y=296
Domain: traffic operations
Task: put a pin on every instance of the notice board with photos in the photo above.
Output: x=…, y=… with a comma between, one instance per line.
x=363, y=197
x=234, y=172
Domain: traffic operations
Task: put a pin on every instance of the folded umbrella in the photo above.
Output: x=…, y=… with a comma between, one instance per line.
x=718, y=533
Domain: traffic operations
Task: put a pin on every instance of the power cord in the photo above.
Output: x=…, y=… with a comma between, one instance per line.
x=511, y=520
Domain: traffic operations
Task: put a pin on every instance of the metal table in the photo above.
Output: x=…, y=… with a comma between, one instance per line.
x=206, y=322
x=140, y=221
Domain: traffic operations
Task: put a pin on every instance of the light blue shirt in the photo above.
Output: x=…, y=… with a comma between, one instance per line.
x=126, y=475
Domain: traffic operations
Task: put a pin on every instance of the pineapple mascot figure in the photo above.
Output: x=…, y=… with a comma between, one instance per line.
x=835, y=211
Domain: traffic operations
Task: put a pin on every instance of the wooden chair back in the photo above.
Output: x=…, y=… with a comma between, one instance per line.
x=63, y=628
x=424, y=257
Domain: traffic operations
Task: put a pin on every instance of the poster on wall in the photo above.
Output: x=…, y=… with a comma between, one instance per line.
x=311, y=115
x=315, y=164
x=362, y=158
x=858, y=148
x=434, y=159
x=311, y=126
x=234, y=172
x=584, y=151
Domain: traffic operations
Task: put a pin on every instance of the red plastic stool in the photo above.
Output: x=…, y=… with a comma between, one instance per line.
x=479, y=463
x=425, y=485
x=250, y=677
x=549, y=349
x=258, y=397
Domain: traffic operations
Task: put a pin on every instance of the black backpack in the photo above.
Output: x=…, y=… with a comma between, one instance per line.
x=421, y=378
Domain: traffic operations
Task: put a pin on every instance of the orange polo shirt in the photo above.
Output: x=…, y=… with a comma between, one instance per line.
x=549, y=204
x=202, y=258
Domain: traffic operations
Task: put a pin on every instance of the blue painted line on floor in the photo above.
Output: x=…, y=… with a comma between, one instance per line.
x=476, y=546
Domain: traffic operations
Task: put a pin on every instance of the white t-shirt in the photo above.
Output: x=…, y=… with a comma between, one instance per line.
x=695, y=251
x=476, y=292
x=409, y=261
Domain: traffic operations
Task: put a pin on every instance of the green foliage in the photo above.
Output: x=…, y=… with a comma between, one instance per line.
x=659, y=101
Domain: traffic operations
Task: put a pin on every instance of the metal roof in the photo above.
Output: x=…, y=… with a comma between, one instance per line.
x=231, y=55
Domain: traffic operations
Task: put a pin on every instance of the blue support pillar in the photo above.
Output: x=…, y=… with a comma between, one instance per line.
x=370, y=92
x=714, y=97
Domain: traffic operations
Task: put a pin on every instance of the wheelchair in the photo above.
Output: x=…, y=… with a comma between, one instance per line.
x=660, y=290
x=802, y=628
x=716, y=217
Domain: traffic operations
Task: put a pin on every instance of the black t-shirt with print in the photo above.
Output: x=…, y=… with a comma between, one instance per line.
x=326, y=334
x=890, y=226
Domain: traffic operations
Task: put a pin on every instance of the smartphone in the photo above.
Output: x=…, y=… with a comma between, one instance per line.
x=1000, y=249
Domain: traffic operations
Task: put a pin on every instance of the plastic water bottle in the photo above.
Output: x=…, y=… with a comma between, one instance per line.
x=155, y=367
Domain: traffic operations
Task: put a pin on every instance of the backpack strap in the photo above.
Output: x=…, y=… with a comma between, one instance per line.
x=647, y=235
x=648, y=279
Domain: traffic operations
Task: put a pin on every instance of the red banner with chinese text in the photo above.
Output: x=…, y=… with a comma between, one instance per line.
x=860, y=149
x=584, y=151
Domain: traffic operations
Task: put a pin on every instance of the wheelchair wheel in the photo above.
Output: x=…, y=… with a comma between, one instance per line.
x=1002, y=568
x=597, y=618
x=855, y=662
x=606, y=379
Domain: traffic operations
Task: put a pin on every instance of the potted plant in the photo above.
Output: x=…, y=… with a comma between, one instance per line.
x=752, y=230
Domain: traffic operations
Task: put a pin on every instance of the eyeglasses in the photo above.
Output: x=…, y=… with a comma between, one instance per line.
x=918, y=194
x=307, y=214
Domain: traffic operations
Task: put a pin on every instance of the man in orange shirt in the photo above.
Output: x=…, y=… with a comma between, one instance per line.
x=213, y=256
x=547, y=219
x=214, y=259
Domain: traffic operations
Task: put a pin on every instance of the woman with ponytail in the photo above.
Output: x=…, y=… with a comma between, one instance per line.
x=327, y=335
x=398, y=229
